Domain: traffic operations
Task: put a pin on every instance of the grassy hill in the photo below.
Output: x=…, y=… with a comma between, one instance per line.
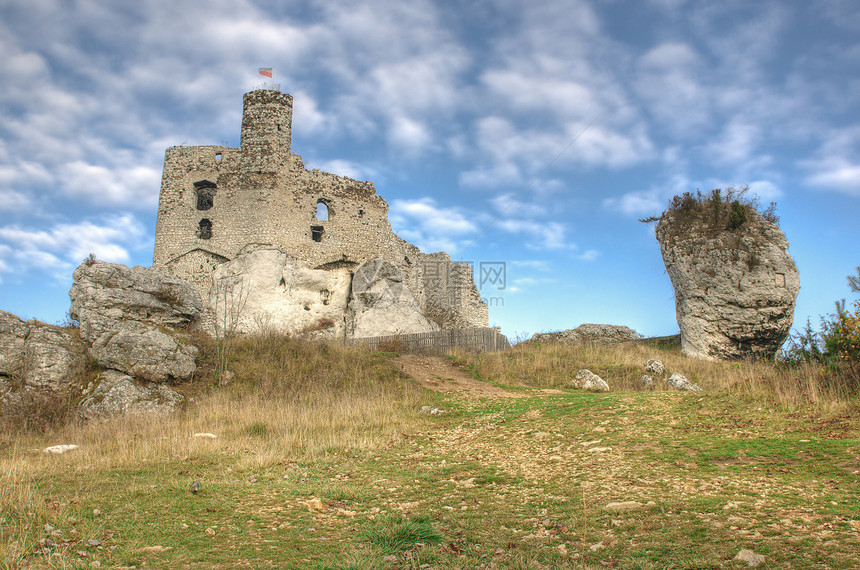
x=323, y=459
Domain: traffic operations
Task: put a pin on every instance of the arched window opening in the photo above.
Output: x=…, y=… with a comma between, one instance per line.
x=204, y=229
x=322, y=210
x=205, y=194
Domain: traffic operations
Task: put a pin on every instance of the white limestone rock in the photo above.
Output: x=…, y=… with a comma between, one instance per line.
x=123, y=313
x=588, y=380
x=381, y=304
x=735, y=290
x=265, y=289
x=145, y=353
x=105, y=293
x=679, y=382
x=38, y=355
x=117, y=394
x=655, y=367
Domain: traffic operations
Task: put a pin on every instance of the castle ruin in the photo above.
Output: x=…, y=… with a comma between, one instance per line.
x=218, y=201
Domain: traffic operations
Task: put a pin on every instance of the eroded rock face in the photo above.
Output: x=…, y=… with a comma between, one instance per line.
x=117, y=394
x=381, y=304
x=37, y=355
x=125, y=316
x=266, y=289
x=735, y=290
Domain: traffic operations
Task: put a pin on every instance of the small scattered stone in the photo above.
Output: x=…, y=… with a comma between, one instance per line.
x=588, y=380
x=93, y=542
x=647, y=382
x=156, y=548
x=431, y=411
x=679, y=382
x=95, y=564
x=206, y=435
x=751, y=558
x=626, y=506
x=655, y=367
x=210, y=531
x=60, y=448
x=596, y=547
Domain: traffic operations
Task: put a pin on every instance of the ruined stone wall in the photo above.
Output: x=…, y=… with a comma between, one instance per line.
x=217, y=200
x=451, y=298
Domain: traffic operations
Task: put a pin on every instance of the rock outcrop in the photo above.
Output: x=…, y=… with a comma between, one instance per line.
x=735, y=289
x=129, y=319
x=381, y=304
x=35, y=355
x=590, y=333
x=117, y=394
x=266, y=289
x=588, y=380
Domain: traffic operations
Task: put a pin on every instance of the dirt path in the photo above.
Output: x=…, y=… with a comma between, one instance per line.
x=440, y=374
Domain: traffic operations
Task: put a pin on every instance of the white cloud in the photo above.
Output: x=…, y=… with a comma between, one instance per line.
x=12, y=201
x=346, y=168
x=837, y=166
x=429, y=226
x=130, y=187
x=766, y=190
x=61, y=248
x=837, y=174
x=539, y=235
x=637, y=203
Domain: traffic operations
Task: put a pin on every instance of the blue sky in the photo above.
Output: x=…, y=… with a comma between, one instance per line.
x=534, y=134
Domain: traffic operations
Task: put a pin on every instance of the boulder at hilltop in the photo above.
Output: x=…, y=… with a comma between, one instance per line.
x=735, y=289
x=603, y=334
x=126, y=316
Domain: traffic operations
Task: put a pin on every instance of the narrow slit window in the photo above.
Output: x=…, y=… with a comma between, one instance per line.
x=204, y=229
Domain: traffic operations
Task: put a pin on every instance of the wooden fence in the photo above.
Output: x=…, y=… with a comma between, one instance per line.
x=439, y=342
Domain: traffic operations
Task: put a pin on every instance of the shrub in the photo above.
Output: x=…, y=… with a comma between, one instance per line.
x=714, y=211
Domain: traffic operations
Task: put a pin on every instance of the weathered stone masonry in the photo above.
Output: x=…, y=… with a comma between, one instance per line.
x=217, y=200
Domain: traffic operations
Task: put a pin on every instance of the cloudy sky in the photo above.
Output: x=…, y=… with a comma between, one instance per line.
x=533, y=134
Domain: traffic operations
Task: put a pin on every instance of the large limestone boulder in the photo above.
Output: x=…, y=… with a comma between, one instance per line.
x=130, y=318
x=106, y=293
x=117, y=394
x=381, y=304
x=590, y=333
x=735, y=289
x=35, y=355
x=266, y=289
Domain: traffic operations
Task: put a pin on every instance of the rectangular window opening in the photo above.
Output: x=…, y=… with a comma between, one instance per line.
x=217, y=156
x=316, y=233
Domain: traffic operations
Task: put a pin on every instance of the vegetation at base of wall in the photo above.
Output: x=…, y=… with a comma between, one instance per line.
x=713, y=212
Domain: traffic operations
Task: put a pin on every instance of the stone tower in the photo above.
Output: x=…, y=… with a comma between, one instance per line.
x=267, y=120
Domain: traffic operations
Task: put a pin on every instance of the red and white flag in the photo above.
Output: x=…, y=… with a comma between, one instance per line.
x=266, y=71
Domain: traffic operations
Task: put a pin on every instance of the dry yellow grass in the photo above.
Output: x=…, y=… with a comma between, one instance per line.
x=556, y=364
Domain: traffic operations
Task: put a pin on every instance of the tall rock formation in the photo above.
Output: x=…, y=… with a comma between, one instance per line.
x=735, y=282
